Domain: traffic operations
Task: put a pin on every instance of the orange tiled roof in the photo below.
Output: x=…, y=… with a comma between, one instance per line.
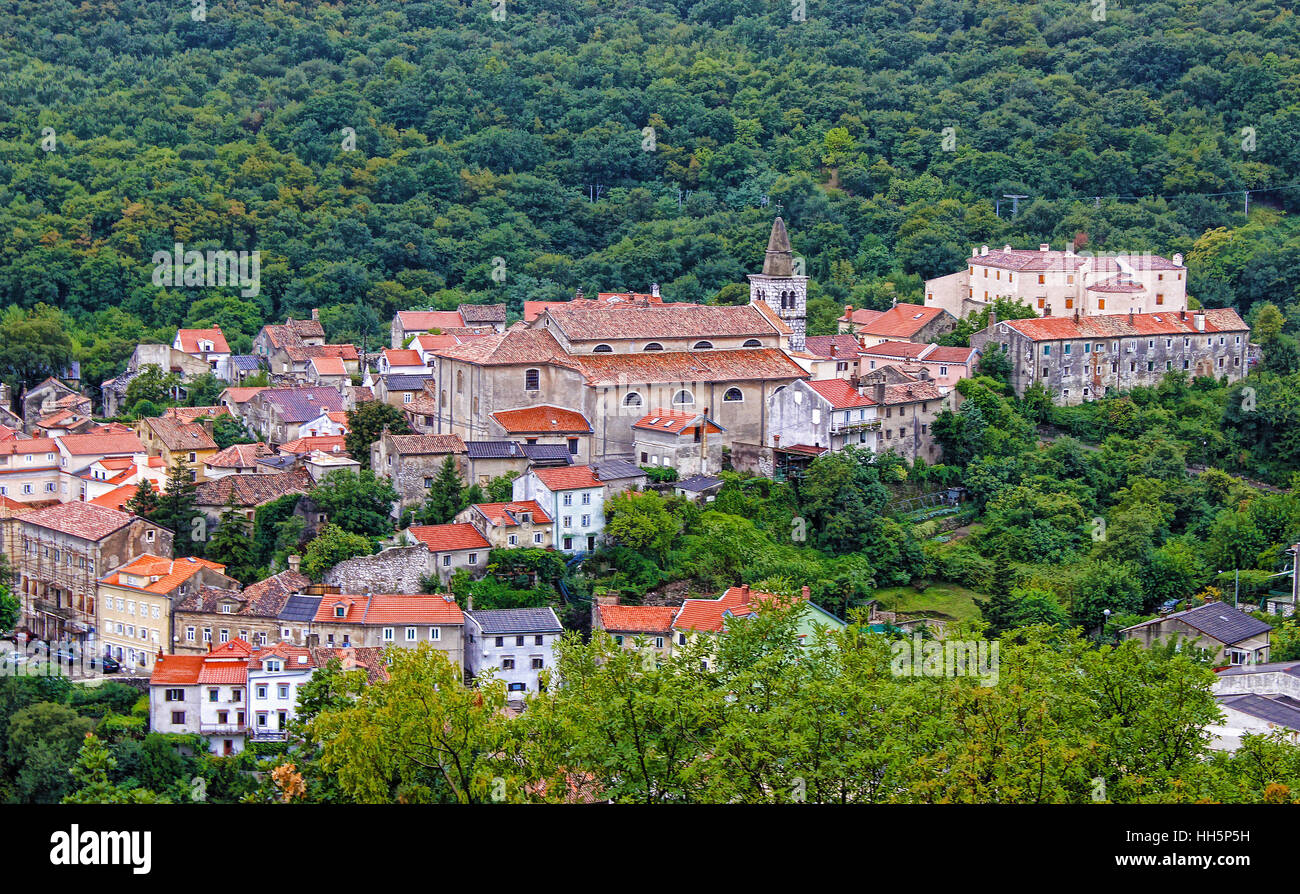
x=424, y=320
x=189, y=339
x=507, y=514
x=1219, y=319
x=674, y=422
x=900, y=321
x=237, y=456
x=400, y=357
x=584, y=320
x=840, y=393
x=711, y=614
x=28, y=445
x=637, y=618
x=542, y=419
x=326, y=443
x=176, y=670
x=389, y=608
x=241, y=394
x=329, y=366
x=171, y=573
x=84, y=520
x=688, y=366
x=86, y=445
x=567, y=478
x=446, y=538
x=510, y=348
x=116, y=498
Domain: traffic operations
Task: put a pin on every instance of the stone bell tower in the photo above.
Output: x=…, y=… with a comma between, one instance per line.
x=779, y=288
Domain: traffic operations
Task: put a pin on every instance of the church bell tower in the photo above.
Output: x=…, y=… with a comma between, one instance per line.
x=779, y=288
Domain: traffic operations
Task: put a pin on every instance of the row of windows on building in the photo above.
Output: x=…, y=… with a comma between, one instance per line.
x=1130, y=345
x=1042, y=277
x=1133, y=367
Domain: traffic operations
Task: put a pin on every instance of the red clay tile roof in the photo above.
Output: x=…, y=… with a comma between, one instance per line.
x=368, y=658
x=911, y=392
x=329, y=366
x=542, y=419
x=223, y=673
x=178, y=436
x=171, y=573
x=252, y=490
x=241, y=395
x=84, y=520
x=238, y=456
x=942, y=354
x=389, y=608
x=31, y=446
x=1219, y=319
x=326, y=443
x=507, y=514
x=87, y=445
x=846, y=346
x=900, y=321
x=534, y=309
x=176, y=670
x=711, y=614
x=189, y=339
x=637, y=618
x=840, y=393
x=286, y=652
x=408, y=445
x=674, y=422
x=594, y=321
x=514, y=347
x=567, y=478
x=688, y=366
x=116, y=498
x=424, y=320
x=447, y=538
x=896, y=349
x=399, y=357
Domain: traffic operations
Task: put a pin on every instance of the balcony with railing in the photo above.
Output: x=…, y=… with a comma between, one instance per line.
x=840, y=427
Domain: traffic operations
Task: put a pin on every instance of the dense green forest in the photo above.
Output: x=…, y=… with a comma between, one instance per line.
x=380, y=155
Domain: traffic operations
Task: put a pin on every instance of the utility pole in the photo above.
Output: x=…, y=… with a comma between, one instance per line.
x=1015, y=202
x=1247, y=195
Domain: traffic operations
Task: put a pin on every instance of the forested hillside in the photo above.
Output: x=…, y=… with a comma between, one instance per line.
x=380, y=155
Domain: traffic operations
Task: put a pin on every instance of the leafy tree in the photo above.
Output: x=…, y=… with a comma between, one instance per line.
x=176, y=510
x=151, y=384
x=232, y=545
x=227, y=430
x=43, y=742
x=642, y=522
x=34, y=345
x=359, y=503
x=446, y=496
x=331, y=546
x=144, y=502
x=91, y=773
x=365, y=424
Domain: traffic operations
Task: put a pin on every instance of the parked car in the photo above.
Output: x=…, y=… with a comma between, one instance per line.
x=108, y=664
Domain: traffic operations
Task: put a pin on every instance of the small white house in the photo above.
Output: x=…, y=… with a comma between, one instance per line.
x=574, y=498
x=274, y=675
x=516, y=644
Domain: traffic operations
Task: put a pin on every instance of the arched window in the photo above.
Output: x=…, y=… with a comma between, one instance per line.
x=752, y=343
x=602, y=349
x=778, y=389
x=460, y=381
x=703, y=345
x=533, y=380
x=653, y=346
x=632, y=400
x=683, y=398
x=733, y=395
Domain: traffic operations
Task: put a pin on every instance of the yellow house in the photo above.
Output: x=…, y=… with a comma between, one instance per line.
x=136, y=601
x=176, y=440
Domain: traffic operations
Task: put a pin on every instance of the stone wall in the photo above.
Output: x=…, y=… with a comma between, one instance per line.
x=397, y=569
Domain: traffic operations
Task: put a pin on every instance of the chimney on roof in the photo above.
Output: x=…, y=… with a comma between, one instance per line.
x=744, y=591
x=893, y=302
x=315, y=315
x=878, y=391
x=862, y=341
x=206, y=422
x=1076, y=315
x=654, y=289
x=1047, y=311
x=294, y=563
x=776, y=440
x=469, y=602
x=577, y=296
x=1198, y=320
x=1006, y=249
x=984, y=249
x=848, y=311
x=1182, y=314
x=1043, y=246
x=1132, y=316
x=993, y=318
x=833, y=349
x=1178, y=259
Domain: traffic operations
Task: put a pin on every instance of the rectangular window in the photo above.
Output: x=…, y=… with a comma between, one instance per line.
x=410, y=634
x=435, y=634
x=388, y=634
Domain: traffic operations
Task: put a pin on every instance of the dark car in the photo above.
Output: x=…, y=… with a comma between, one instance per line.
x=109, y=665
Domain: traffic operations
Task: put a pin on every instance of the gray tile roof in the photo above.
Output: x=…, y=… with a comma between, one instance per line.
x=494, y=450
x=247, y=362
x=482, y=313
x=514, y=621
x=548, y=454
x=611, y=469
x=698, y=483
x=300, y=608
x=302, y=404
x=1282, y=709
x=404, y=382
x=1218, y=620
